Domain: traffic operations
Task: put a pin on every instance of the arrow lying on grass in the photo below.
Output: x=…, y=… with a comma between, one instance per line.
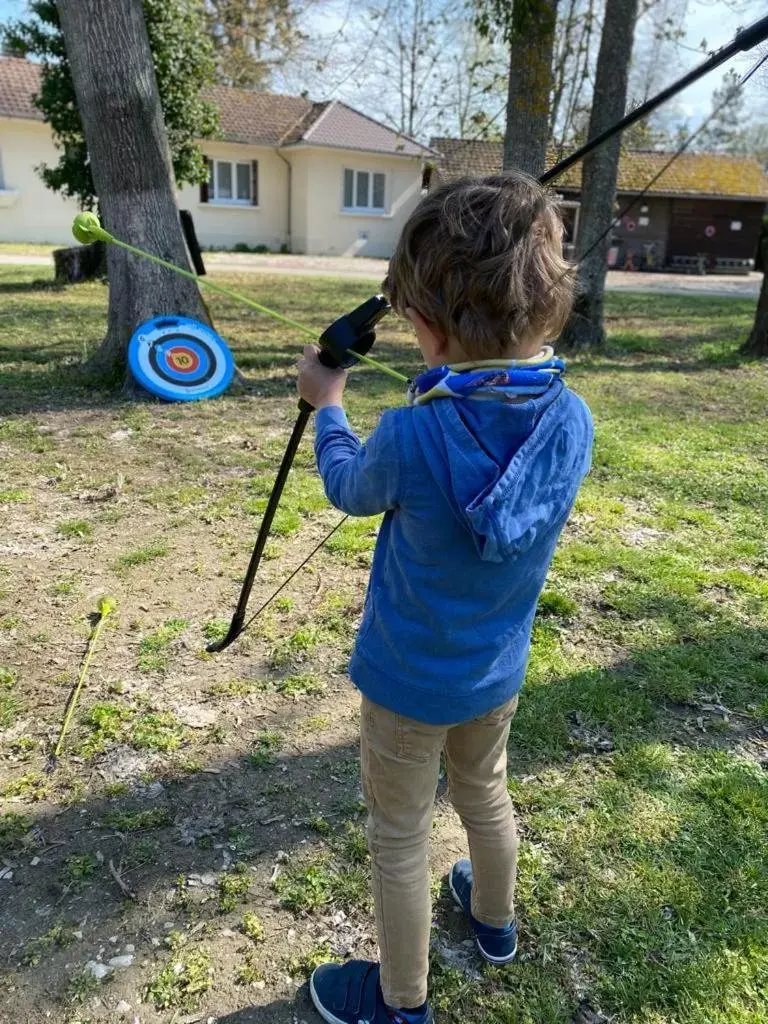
x=106, y=606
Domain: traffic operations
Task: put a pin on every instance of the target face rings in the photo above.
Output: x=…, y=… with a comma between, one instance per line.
x=179, y=359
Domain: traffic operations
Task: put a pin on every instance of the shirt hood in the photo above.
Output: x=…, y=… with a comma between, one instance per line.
x=510, y=471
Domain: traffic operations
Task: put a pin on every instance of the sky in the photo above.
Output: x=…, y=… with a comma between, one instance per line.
x=717, y=23
x=9, y=8
x=713, y=20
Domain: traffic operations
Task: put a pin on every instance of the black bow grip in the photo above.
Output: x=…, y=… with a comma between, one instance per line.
x=353, y=332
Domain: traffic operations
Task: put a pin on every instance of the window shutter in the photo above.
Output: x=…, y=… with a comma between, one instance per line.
x=254, y=182
x=379, y=184
x=204, y=197
x=349, y=188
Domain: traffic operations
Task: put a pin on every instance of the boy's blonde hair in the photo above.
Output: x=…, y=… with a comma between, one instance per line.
x=482, y=260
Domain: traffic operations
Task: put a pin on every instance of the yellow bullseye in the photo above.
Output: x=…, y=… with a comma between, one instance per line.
x=183, y=360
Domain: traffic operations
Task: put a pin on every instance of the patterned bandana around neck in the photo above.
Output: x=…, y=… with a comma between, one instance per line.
x=493, y=379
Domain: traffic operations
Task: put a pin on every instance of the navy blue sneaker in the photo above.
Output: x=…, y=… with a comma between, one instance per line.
x=496, y=945
x=351, y=994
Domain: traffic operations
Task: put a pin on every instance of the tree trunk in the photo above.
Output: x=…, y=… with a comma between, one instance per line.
x=530, y=84
x=119, y=105
x=757, y=342
x=598, y=192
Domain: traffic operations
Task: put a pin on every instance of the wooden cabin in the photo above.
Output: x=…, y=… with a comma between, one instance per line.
x=704, y=214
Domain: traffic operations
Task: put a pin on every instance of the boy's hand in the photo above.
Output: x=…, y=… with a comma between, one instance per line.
x=318, y=384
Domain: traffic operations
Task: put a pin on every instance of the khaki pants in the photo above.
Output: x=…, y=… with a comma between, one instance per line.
x=400, y=766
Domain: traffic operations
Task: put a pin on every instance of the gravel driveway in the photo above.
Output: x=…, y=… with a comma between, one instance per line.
x=362, y=268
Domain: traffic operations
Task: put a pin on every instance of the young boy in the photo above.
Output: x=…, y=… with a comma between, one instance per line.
x=477, y=476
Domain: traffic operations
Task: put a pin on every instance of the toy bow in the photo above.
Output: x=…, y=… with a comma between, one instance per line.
x=350, y=338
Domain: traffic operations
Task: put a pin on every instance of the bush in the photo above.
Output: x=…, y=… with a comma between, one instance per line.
x=245, y=247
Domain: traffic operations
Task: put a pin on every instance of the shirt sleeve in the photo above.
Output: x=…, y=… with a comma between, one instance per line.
x=359, y=479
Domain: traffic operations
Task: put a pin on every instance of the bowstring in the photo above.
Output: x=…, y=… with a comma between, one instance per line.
x=614, y=223
x=295, y=572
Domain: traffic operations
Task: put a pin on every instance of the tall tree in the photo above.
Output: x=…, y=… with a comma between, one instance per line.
x=598, y=191
x=181, y=54
x=661, y=29
x=727, y=131
x=655, y=61
x=528, y=26
x=252, y=38
x=576, y=31
x=420, y=66
x=755, y=141
x=472, y=83
x=757, y=342
x=407, y=51
x=116, y=90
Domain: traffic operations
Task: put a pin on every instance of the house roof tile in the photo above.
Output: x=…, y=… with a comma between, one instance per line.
x=252, y=118
x=341, y=127
x=19, y=81
x=257, y=118
x=692, y=174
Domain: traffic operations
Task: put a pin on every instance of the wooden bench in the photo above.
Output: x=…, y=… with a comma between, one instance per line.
x=724, y=265
x=688, y=265
x=703, y=264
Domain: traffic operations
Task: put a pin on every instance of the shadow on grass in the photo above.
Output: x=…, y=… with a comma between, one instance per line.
x=34, y=382
x=646, y=841
x=251, y=811
x=24, y=287
x=40, y=378
x=51, y=387
x=622, y=742
x=699, y=349
x=683, y=308
x=41, y=354
x=281, y=1010
x=655, y=694
x=618, y=361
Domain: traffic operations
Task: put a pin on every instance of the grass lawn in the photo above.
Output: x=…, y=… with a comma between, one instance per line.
x=223, y=792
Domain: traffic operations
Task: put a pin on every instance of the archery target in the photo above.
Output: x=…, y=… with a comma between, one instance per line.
x=179, y=359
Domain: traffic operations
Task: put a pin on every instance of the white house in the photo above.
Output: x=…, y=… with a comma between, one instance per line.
x=317, y=178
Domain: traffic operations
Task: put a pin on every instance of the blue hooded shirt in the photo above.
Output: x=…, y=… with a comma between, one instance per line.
x=476, y=494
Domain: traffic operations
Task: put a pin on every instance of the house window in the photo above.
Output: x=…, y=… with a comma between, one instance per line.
x=8, y=195
x=364, y=191
x=231, y=183
x=570, y=212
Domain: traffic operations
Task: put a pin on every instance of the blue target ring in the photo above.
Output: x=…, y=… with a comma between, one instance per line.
x=180, y=359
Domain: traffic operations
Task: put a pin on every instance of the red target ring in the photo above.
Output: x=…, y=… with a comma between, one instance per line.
x=182, y=359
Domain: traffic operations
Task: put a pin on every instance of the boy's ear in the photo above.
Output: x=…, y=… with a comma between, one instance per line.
x=432, y=340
